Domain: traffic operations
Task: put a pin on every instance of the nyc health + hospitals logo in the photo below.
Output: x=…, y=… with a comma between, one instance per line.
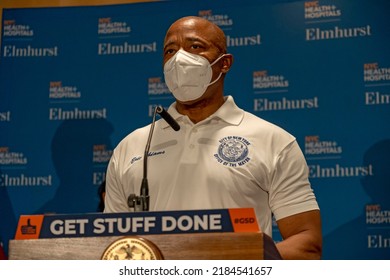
x=316, y=10
x=101, y=153
x=108, y=26
x=262, y=80
x=319, y=148
x=375, y=73
x=14, y=29
x=58, y=91
x=9, y=157
x=376, y=215
x=157, y=87
x=222, y=20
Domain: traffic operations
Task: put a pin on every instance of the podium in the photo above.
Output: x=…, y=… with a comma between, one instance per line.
x=175, y=235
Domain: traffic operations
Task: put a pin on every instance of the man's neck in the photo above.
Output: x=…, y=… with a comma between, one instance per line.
x=202, y=109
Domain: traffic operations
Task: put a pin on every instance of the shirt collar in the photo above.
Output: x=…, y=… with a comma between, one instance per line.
x=229, y=112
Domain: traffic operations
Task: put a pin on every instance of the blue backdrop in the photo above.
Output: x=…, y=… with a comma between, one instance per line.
x=74, y=81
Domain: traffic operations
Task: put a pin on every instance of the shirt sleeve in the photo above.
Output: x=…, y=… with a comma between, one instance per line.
x=115, y=199
x=291, y=191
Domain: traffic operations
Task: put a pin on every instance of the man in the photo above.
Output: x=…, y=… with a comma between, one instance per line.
x=222, y=157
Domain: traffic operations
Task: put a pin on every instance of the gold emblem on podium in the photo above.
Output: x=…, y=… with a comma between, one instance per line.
x=132, y=248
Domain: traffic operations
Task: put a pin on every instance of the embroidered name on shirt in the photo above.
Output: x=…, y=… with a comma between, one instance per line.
x=156, y=153
x=137, y=158
x=233, y=151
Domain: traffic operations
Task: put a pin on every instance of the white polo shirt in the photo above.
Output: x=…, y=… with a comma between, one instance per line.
x=233, y=159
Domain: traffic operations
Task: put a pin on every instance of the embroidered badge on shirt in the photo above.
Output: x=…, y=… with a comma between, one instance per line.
x=233, y=151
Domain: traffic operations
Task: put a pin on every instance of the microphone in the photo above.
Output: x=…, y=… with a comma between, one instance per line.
x=168, y=118
x=141, y=202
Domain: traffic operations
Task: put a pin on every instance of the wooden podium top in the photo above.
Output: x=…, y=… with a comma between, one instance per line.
x=198, y=246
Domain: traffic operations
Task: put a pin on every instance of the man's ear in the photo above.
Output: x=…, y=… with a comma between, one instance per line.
x=227, y=62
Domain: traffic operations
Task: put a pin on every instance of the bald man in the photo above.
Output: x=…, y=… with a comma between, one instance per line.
x=222, y=157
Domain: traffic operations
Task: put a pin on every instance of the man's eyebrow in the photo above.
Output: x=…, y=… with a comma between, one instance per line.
x=187, y=39
x=197, y=39
x=168, y=43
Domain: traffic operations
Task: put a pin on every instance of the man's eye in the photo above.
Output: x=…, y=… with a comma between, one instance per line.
x=195, y=47
x=169, y=51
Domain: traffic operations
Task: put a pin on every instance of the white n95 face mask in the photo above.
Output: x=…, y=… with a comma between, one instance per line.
x=188, y=75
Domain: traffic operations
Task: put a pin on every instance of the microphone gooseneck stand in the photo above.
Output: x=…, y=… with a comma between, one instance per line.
x=141, y=203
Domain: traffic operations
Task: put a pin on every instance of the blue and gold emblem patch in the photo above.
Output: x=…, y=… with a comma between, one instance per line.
x=233, y=151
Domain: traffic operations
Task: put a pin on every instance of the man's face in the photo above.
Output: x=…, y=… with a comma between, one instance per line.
x=192, y=36
x=203, y=38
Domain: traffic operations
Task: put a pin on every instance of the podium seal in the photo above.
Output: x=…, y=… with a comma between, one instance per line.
x=132, y=248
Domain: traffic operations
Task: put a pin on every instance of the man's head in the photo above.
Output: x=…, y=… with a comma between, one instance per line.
x=199, y=37
x=194, y=31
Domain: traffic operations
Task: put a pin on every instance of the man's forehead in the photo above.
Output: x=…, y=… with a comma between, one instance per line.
x=192, y=22
x=194, y=29
x=189, y=34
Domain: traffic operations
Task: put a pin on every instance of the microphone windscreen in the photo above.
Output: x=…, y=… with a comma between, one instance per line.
x=168, y=118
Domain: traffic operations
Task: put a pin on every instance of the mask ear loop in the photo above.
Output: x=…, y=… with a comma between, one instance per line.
x=215, y=61
x=213, y=82
x=220, y=74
